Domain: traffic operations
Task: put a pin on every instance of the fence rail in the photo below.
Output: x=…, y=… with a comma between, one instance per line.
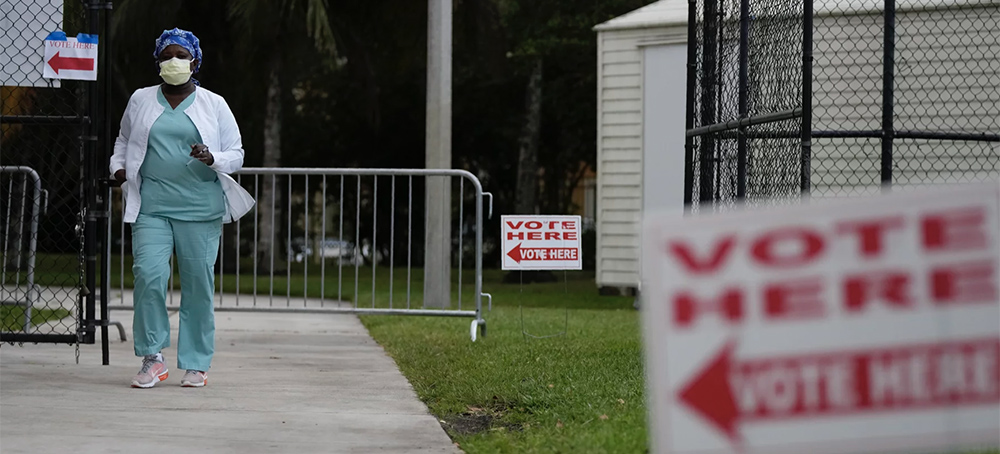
x=338, y=241
x=23, y=205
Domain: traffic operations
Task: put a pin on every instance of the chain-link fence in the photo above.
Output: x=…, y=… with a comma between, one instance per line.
x=746, y=86
x=840, y=97
x=48, y=155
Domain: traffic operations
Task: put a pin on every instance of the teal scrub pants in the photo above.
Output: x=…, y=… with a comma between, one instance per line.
x=154, y=238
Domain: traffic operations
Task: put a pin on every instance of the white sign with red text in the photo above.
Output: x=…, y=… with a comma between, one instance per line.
x=870, y=325
x=541, y=243
x=70, y=58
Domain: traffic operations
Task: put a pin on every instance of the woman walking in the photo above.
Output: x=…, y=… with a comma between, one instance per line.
x=177, y=144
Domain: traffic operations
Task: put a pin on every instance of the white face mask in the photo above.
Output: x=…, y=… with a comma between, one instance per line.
x=175, y=71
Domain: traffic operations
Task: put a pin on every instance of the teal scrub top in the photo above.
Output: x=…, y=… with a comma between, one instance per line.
x=175, y=185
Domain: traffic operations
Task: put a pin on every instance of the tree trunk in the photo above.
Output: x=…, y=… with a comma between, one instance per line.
x=527, y=161
x=527, y=167
x=266, y=207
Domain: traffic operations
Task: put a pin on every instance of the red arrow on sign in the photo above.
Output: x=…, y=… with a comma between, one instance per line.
x=729, y=391
x=73, y=63
x=515, y=253
x=711, y=395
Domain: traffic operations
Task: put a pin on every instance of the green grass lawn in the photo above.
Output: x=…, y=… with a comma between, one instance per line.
x=580, y=392
x=12, y=317
x=51, y=269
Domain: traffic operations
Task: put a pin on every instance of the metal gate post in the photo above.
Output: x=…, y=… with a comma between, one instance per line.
x=888, y=85
x=805, y=182
x=743, y=94
x=96, y=186
x=709, y=86
x=692, y=74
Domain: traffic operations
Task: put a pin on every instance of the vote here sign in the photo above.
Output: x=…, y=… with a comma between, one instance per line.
x=870, y=325
x=541, y=243
x=70, y=58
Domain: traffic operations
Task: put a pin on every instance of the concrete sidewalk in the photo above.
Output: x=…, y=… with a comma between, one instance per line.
x=279, y=383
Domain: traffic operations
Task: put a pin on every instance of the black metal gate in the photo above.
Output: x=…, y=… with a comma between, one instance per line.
x=832, y=98
x=53, y=184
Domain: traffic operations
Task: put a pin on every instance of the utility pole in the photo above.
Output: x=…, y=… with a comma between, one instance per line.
x=437, y=233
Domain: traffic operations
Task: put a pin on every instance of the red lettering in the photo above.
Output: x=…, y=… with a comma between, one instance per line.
x=797, y=299
x=765, y=248
x=569, y=225
x=551, y=235
x=569, y=236
x=534, y=235
x=553, y=224
x=512, y=235
x=534, y=225
x=515, y=226
x=955, y=230
x=702, y=265
x=688, y=306
x=890, y=287
x=964, y=283
x=870, y=233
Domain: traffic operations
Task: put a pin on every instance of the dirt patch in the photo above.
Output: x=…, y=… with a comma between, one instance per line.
x=478, y=420
x=466, y=424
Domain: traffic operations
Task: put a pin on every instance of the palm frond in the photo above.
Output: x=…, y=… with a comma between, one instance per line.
x=318, y=26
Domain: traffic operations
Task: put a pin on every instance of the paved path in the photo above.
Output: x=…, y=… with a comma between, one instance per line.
x=298, y=383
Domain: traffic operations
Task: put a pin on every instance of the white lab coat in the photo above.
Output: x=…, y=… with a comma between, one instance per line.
x=219, y=131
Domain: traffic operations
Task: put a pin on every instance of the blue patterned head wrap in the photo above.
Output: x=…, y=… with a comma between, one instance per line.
x=182, y=38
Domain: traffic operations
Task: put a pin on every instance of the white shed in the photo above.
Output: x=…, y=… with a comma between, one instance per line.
x=637, y=168
x=948, y=49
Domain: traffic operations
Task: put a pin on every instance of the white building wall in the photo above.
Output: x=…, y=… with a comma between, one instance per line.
x=619, y=149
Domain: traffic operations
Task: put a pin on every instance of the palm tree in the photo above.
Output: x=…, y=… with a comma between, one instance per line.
x=266, y=29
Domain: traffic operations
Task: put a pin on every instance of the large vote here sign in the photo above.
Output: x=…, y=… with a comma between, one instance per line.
x=870, y=325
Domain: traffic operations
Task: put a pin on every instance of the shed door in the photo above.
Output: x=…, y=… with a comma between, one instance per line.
x=663, y=85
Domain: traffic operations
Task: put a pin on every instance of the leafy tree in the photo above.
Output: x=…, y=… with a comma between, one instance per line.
x=559, y=133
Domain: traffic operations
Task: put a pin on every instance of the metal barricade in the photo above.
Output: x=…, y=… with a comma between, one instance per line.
x=22, y=206
x=325, y=240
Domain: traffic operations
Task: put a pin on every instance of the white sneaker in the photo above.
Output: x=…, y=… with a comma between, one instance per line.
x=194, y=379
x=153, y=371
